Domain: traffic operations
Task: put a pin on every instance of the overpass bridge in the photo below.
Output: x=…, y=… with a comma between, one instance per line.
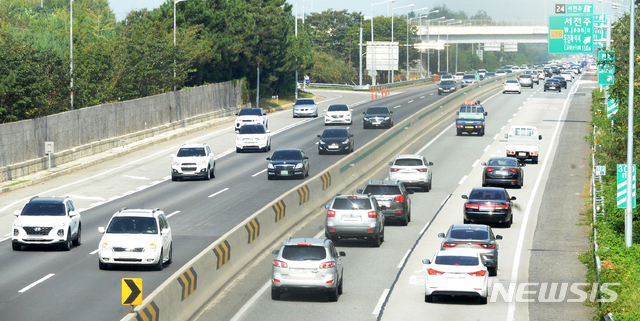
x=484, y=31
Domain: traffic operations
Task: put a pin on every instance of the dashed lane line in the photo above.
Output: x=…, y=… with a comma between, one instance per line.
x=258, y=173
x=172, y=214
x=462, y=180
x=36, y=283
x=218, y=192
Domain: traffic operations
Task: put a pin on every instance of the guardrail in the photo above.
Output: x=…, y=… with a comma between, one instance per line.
x=366, y=87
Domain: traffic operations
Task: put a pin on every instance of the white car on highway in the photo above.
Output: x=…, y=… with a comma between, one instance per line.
x=136, y=236
x=456, y=272
x=193, y=161
x=511, y=85
x=251, y=116
x=568, y=75
x=458, y=76
x=412, y=170
x=338, y=114
x=253, y=137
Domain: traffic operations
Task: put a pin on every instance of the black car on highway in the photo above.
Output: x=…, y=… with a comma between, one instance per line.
x=447, y=86
x=553, y=84
x=394, y=196
x=488, y=205
x=503, y=171
x=288, y=163
x=377, y=117
x=336, y=140
x=562, y=81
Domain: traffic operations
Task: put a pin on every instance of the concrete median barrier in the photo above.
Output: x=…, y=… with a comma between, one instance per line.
x=186, y=291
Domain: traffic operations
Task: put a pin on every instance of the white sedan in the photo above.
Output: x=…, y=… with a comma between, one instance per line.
x=253, y=137
x=338, y=114
x=511, y=85
x=568, y=75
x=456, y=273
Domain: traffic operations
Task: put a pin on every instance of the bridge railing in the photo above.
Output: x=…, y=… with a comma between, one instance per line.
x=479, y=23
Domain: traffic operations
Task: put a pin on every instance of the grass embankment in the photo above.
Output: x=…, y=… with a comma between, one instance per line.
x=266, y=103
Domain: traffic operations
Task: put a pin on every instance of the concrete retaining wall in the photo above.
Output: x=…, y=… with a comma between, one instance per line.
x=186, y=291
x=87, y=131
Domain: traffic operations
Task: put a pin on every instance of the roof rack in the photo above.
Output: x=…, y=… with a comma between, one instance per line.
x=33, y=198
x=155, y=210
x=122, y=209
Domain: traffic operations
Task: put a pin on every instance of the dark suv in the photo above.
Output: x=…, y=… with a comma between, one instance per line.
x=394, y=197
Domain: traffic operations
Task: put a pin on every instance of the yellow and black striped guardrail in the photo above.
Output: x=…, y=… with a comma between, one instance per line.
x=223, y=253
x=253, y=229
x=326, y=180
x=279, y=208
x=303, y=192
x=150, y=313
x=189, y=282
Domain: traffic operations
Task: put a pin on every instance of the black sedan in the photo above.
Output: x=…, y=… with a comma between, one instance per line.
x=336, y=140
x=288, y=163
x=377, y=117
x=447, y=86
x=562, y=81
x=553, y=84
x=488, y=205
x=503, y=171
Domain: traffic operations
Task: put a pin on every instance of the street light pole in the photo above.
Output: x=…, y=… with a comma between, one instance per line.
x=296, y=34
x=428, y=40
x=71, y=49
x=408, y=23
x=448, y=24
x=174, y=41
x=373, y=64
x=392, y=16
x=628, y=217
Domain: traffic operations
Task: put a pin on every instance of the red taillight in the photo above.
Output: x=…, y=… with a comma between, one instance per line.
x=304, y=244
x=478, y=273
x=327, y=265
x=489, y=169
x=422, y=170
x=513, y=170
x=501, y=207
x=276, y=280
x=331, y=213
x=372, y=214
x=472, y=206
x=488, y=246
x=434, y=272
x=399, y=199
x=450, y=244
x=280, y=264
x=394, y=170
x=352, y=197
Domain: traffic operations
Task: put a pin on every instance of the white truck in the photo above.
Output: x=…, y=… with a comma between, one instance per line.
x=522, y=143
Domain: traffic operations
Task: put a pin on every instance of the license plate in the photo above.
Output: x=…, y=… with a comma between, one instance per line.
x=351, y=218
x=552, y=87
x=333, y=146
x=522, y=154
x=471, y=127
x=375, y=123
x=486, y=208
x=284, y=172
x=300, y=272
x=501, y=172
x=385, y=203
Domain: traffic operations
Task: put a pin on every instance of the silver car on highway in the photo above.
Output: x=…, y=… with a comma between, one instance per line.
x=413, y=170
x=305, y=107
x=307, y=265
x=355, y=216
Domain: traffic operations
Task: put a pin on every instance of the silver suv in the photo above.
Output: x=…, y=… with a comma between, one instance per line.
x=413, y=170
x=307, y=265
x=394, y=196
x=355, y=216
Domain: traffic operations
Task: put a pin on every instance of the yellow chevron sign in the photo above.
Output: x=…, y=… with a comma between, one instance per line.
x=150, y=313
x=304, y=194
x=326, y=180
x=279, y=208
x=223, y=253
x=189, y=282
x=131, y=291
x=253, y=229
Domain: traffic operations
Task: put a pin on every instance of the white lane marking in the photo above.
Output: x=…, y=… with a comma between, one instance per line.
x=462, y=180
x=172, y=214
x=431, y=94
x=258, y=173
x=94, y=252
x=166, y=178
x=496, y=94
x=404, y=258
x=503, y=127
x=8, y=234
x=36, y=283
x=434, y=139
x=90, y=198
x=114, y=198
x=128, y=193
x=410, y=101
x=142, y=187
x=421, y=97
x=475, y=163
x=514, y=115
x=155, y=182
x=424, y=228
x=96, y=204
x=508, y=121
x=225, y=153
x=495, y=137
x=525, y=218
x=519, y=108
x=6, y=238
x=487, y=148
x=219, y=192
x=376, y=310
x=397, y=106
x=135, y=177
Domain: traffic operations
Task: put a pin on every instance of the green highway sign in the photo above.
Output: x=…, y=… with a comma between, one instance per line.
x=612, y=106
x=599, y=30
x=606, y=55
x=573, y=8
x=622, y=185
x=605, y=74
x=571, y=34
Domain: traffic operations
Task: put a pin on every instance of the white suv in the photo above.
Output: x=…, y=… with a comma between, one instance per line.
x=251, y=116
x=136, y=236
x=253, y=137
x=338, y=114
x=412, y=170
x=47, y=221
x=193, y=160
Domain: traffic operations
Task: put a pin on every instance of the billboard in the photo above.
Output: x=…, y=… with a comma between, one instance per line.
x=492, y=46
x=382, y=55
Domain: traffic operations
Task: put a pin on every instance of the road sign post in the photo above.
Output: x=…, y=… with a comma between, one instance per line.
x=622, y=186
x=131, y=292
x=601, y=170
x=612, y=106
x=571, y=34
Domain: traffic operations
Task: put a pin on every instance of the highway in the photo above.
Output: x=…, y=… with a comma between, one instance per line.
x=387, y=283
x=49, y=284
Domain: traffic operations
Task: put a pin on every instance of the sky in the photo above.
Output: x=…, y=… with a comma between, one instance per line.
x=530, y=10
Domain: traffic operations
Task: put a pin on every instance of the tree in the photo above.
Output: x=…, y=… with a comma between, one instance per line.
x=328, y=69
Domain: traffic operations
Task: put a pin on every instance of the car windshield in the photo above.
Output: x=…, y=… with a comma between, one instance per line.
x=303, y=253
x=471, y=109
x=338, y=108
x=133, y=225
x=511, y=81
x=334, y=133
x=408, y=162
x=252, y=129
x=446, y=76
x=378, y=111
x=43, y=209
x=552, y=80
x=351, y=204
x=286, y=155
x=468, y=76
x=503, y=162
x=479, y=194
x=525, y=76
x=460, y=74
x=468, y=234
x=457, y=260
x=382, y=190
x=491, y=74
x=250, y=111
x=447, y=83
x=305, y=102
x=500, y=71
x=192, y=152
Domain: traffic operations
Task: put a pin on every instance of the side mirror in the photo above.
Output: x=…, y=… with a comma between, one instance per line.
x=539, y=137
x=483, y=164
x=319, y=136
x=325, y=110
x=513, y=198
x=73, y=213
x=267, y=131
x=498, y=237
x=430, y=163
x=16, y=213
x=350, y=109
x=350, y=135
x=490, y=263
x=391, y=112
x=236, y=114
x=359, y=191
x=410, y=191
x=506, y=135
x=275, y=252
x=383, y=208
x=441, y=235
x=426, y=261
x=326, y=206
x=164, y=231
x=173, y=155
x=364, y=113
x=457, y=113
x=268, y=158
x=306, y=157
x=101, y=230
x=465, y=197
x=486, y=113
x=391, y=163
x=342, y=253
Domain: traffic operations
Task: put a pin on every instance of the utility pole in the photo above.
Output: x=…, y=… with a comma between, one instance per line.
x=628, y=217
x=360, y=56
x=71, y=48
x=296, y=34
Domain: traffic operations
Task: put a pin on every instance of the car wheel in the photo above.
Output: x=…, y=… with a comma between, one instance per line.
x=173, y=178
x=78, y=239
x=519, y=92
x=465, y=221
x=275, y=294
x=493, y=271
x=482, y=132
x=559, y=90
x=16, y=246
x=102, y=266
x=66, y=246
x=158, y=266
x=333, y=295
x=320, y=152
x=269, y=177
x=170, y=254
x=376, y=241
x=428, y=298
x=213, y=172
x=504, y=92
x=238, y=150
x=482, y=300
x=458, y=133
x=341, y=286
x=208, y=175
x=404, y=221
x=509, y=222
x=535, y=160
x=545, y=90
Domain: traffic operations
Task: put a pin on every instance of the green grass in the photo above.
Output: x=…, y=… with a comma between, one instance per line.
x=266, y=103
x=16, y=183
